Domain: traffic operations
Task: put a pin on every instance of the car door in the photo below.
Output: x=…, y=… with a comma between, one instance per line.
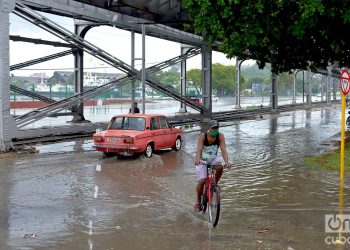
x=167, y=135
x=156, y=133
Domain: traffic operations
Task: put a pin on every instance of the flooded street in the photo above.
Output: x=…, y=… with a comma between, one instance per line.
x=72, y=198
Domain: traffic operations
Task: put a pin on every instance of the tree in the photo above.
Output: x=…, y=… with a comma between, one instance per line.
x=195, y=77
x=288, y=34
x=170, y=77
x=223, y=79
x=285, y=83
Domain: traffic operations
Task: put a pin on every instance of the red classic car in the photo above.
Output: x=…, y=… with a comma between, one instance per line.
x=137, y=133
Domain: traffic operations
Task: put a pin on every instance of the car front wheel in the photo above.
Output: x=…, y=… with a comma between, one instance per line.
x=149, y=151
x=178, y=144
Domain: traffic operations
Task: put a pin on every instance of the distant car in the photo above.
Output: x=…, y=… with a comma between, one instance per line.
x=196, y=99
x=137, y=133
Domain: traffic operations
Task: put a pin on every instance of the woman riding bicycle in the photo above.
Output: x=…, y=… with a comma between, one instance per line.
x=207, y=150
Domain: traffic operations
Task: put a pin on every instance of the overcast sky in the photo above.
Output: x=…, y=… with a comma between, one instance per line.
x=110, y=39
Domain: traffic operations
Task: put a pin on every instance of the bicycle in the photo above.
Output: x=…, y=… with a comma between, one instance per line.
x=211, y=196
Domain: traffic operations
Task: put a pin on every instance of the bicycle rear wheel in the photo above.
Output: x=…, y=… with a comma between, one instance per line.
x=214, y=206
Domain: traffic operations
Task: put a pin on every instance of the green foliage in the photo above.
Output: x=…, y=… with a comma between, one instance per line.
x=223, y=79
x=171, y=77
x=288, y=34
x=253, y=71
x=195, y=77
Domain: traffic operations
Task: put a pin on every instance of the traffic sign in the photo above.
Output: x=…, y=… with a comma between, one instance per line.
x=345, y=81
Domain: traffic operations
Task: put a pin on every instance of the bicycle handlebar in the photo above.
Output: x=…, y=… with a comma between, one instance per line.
x=213, y=165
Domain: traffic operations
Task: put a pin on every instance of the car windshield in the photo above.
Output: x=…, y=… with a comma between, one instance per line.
x=127, y=123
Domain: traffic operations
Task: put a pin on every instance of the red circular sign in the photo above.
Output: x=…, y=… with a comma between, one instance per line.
x=345, y=81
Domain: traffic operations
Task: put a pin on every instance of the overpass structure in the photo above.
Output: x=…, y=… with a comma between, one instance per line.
x=165, y=19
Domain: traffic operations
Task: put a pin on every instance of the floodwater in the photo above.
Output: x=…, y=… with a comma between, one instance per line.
x=164, y=106
x=72, y=198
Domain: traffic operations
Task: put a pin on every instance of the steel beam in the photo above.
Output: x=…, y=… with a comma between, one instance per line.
x=183, y=87
x=59, y=31
x=133, y=66
x=40, y=41
x=40, y=60
x=143, y=70
x=31, y=94
x=78, y=10
x=80, y=30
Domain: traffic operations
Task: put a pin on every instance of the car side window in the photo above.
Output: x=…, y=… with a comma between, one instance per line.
x=154, y=123
x=163, y=122
x=134, y=123
x=116, y=123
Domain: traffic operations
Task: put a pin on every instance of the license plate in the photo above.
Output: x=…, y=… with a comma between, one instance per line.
x=113, y=139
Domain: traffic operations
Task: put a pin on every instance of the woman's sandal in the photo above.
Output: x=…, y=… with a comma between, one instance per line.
x=197, y=207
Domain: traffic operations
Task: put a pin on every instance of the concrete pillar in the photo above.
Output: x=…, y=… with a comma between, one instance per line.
x=206, y=80
x=274, y=96
x=80, y=29
x=6, y=7
x=308, y=89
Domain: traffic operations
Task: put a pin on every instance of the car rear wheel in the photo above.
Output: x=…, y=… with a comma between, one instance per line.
x=178, y=144
x=149, y=151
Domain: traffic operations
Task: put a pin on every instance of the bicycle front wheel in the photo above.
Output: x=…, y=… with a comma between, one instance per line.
x=214, y=206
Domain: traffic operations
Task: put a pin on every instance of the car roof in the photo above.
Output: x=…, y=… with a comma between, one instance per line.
x=138, y=115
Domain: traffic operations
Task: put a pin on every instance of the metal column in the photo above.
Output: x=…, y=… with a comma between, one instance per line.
x=322, y=87
x=294, y=86
x=274, y=96
x=80, y=29
x=206, y=80
x=335, y=84
x=184, y=49
x=133, y=66
x=143, y=75
x=6, y=7
x=328, y=87
x=308, y=89
x=238, y=81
